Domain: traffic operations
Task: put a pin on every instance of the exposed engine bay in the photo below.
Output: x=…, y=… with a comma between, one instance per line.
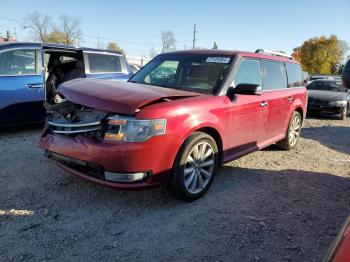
x=67, y=118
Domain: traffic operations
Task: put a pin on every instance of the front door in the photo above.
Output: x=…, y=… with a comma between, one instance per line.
x=248, y=113
x=21, y=86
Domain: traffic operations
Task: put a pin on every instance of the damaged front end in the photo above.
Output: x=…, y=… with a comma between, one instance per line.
x=70, y=119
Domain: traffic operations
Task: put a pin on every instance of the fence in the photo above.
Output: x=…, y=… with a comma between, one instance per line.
x=137, y=60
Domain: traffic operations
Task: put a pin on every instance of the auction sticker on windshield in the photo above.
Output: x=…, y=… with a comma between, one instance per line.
x=222, y=60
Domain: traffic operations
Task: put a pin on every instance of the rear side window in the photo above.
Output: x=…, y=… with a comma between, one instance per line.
x=274, y=75
x=295, y=76
x=102, y=63
x=248, y=73
x=18, y=62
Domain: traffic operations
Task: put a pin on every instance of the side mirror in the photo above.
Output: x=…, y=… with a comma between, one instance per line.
x=244, y=89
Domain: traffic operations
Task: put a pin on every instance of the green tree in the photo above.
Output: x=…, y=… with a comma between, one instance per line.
x=321, y=55
x=114, y=47
x=215, y=46
x=56, y=36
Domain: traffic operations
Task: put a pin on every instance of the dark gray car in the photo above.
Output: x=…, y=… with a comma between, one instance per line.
x=328, y=97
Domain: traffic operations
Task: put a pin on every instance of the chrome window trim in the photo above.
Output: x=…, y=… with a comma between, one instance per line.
x=101, y=53
x=288, y=88
x=103, y=73
x=20, y=75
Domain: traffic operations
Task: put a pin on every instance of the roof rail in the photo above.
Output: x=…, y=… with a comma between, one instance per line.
x=271, y=52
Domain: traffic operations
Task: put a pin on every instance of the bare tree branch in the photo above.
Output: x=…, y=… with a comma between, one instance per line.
x=70, y=28
x=168, y=41
x=39, y=24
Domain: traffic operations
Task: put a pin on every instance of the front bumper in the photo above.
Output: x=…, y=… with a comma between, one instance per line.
x=325, y=108
x=110, y=163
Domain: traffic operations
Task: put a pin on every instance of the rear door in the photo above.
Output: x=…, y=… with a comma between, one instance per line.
x=105, y=65
x=275, y=87
x=21, y=85
x=248, y=113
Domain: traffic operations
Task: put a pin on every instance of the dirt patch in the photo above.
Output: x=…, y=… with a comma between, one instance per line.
x=271, y=205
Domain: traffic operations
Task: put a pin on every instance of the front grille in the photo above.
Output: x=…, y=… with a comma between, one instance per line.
x=316, y=102
x=60, y=128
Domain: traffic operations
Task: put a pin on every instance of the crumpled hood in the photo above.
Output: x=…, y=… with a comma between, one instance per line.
x=328, y=95
x=116, y=97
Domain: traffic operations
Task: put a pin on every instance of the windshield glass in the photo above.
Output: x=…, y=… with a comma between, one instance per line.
x=198, y=73
x=326, y=86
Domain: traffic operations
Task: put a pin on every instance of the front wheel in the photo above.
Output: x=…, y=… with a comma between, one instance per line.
x=344, y=113
x=194, y=167
x=293, y=133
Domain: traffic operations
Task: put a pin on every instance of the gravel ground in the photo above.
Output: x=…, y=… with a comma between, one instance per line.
x=271, y=205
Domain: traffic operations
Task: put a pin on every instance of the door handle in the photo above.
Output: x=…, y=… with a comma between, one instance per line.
x=34, y=85
x=263, y=104
x=290, y=99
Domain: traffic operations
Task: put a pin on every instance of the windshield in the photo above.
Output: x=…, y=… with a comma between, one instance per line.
x=326, y=86
x=198, y=73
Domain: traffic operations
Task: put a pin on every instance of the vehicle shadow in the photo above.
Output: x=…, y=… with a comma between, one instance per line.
x=324, y=134
x=15, y=129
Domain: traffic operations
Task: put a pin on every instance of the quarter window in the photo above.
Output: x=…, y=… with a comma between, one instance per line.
x=295, y=77
x=274, y=75
x=18, y=62
x=248, y=73
x=101, y=63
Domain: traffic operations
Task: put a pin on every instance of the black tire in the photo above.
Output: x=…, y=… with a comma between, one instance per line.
x=177, y=179
x=287, y=143
x=344, y=113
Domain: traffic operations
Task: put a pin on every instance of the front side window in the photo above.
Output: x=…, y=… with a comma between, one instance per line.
x=248, y=73
x=104, y=63
x=274, y=75
x=18, y=62
x=295, y=75
x=198, y=73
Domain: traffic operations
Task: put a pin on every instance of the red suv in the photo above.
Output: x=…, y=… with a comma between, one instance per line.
x=176, y=120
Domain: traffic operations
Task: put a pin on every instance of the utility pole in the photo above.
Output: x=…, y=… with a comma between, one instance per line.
x=98, y=41
x=194, y=36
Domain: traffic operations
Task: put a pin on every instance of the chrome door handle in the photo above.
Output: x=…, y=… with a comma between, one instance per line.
x=263, y=104
x=36, y=85
x=290, y=99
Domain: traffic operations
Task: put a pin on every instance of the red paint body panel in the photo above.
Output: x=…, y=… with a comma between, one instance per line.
x=121, y=97
x=340, y=250
x=242, y=124
x=156, y=154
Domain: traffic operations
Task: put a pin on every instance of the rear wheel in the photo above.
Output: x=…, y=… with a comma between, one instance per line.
x=293, y=133
x=195, y=166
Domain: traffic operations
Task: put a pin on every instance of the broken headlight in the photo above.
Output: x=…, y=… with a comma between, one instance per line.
x=129, y=129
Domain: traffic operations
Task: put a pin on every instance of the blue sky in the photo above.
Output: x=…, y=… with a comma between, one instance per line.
x=241, y=25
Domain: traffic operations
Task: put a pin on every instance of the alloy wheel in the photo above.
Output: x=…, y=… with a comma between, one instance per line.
x=199, y=167
x=294, y=130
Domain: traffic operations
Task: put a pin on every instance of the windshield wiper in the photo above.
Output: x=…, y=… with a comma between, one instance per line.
x=172, y=86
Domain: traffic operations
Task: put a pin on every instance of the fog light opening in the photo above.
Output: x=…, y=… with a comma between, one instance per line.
x=126, y=178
